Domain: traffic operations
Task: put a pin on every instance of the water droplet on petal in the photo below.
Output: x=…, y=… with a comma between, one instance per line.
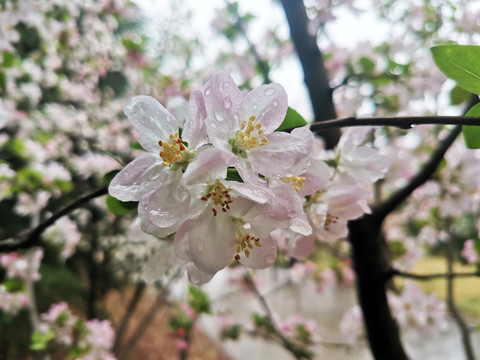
x=207, y=91
x=200, y=245
x=254, y=106
x=259, y=98
x=227, y=103
x=227, y=84
x=269, y=92
x=269, y=259
x=275, y=103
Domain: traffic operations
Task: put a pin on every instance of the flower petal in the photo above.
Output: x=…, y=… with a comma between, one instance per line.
x=268, y=103
x=157, y=263
x=262, y=256
x=196, y=276
x=194, y=132
x=169, y=204
x=138, y=179
x=208, y=241
x=209, y=165
x=151, y=120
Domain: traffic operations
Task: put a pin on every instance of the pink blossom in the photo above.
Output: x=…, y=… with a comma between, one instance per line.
x=468, y=251
x=351, y=324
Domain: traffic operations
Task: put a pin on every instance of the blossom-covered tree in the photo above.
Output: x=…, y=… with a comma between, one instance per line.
x=211, y=173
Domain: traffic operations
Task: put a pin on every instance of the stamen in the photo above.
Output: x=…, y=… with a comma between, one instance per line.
x=219, y=196
x=172, y=152
x=296, y=181
x=329, y=220
x=244, y=241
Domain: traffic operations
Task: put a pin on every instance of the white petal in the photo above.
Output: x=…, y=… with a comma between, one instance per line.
x=138, y=179
x=209, y=241
x=157, y=263
x=268, y=103
x=194, y=132
x=149, y=228
x=209, y=165
x=262, y=256
x=196, y=276
x=169, y=204
x=151, y=120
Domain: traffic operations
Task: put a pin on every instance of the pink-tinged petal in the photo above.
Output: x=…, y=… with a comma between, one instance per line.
x=157, y=263
x=151, y=120
x=283, y=155
x=149, y=228
x=222, y=98
x=316, y=178
x=208, y=241
x=194, y=132
x=341, y=197
x=138, y=179
x=365, y=165
x=301, y=225
x=258, y=193
x=268, y=103
x=169, y=204
x=219, y=134
x=196, y=276
x=209, y=165
x=352, y=137
x=262, y=256
x=301, y=247
x=248, y=175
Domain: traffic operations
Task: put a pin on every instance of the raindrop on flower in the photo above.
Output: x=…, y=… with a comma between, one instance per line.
x=269, y=259
x=259, y=98
x=270, y=92
x=227, y=103
x=207, y=91
x=275, y=103
x=254, y=106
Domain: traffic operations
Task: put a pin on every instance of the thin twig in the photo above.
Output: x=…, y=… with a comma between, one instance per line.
x=464, y=330
x=402, y=122
x=260, y=62
x=33, y=237
x=426, y=277
x=132, y=306
x=386, y=207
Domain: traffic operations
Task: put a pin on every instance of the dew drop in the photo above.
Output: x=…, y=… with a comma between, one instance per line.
x=275, y=103
x=254, y=106
x=227, y=103
x=227, y=84
x=259, y=98
x=207, y=91
x=269, y=259
x=269, y=92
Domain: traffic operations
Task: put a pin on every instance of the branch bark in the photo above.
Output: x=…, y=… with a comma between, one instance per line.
x=33, y=237
x=426, y=277
x=313, y=68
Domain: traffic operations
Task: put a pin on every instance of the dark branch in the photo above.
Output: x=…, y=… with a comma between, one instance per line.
x=402, y=122
x=426, y=277
x=314, y=70
x=385, y=208
x=33, y=237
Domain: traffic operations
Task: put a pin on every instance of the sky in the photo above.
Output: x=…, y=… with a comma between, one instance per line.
x=346, y=31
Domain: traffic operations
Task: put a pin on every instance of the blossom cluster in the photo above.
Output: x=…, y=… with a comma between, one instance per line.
x=223, y=181
x=89, y=340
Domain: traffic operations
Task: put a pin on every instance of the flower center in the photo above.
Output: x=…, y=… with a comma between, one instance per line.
x=248, y=137
x=244, y=241
x=296, y=181
x=219, y=196
x=329, y=220
x=174, y=153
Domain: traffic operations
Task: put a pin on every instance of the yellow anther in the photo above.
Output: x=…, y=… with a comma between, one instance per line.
x=219, y=195
x=296, y=181
x=172, y=152
x=247, y=138
x=244, y=241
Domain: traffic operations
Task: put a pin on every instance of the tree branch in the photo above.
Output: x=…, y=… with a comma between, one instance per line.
x=311, y=59
x=33, y=237
x=385, y=208
x=426, y=277
x=402, y=122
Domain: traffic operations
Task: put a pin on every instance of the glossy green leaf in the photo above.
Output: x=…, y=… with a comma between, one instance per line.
x=460, y=63
x=292, y=120
x=458, y=95
x=108, y=177
x=471, y=134
x=120, y=207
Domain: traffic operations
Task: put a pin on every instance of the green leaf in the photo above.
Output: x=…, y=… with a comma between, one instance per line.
x=14, y=285
x=458, y=95
x=366, y=65
x=199, y=301
x=120, y=207
x=108, y=177
x=292, y=120
x=233, y=175
x=460, y=63
x=471, y=134
x=41, y=339
x=8, y=59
